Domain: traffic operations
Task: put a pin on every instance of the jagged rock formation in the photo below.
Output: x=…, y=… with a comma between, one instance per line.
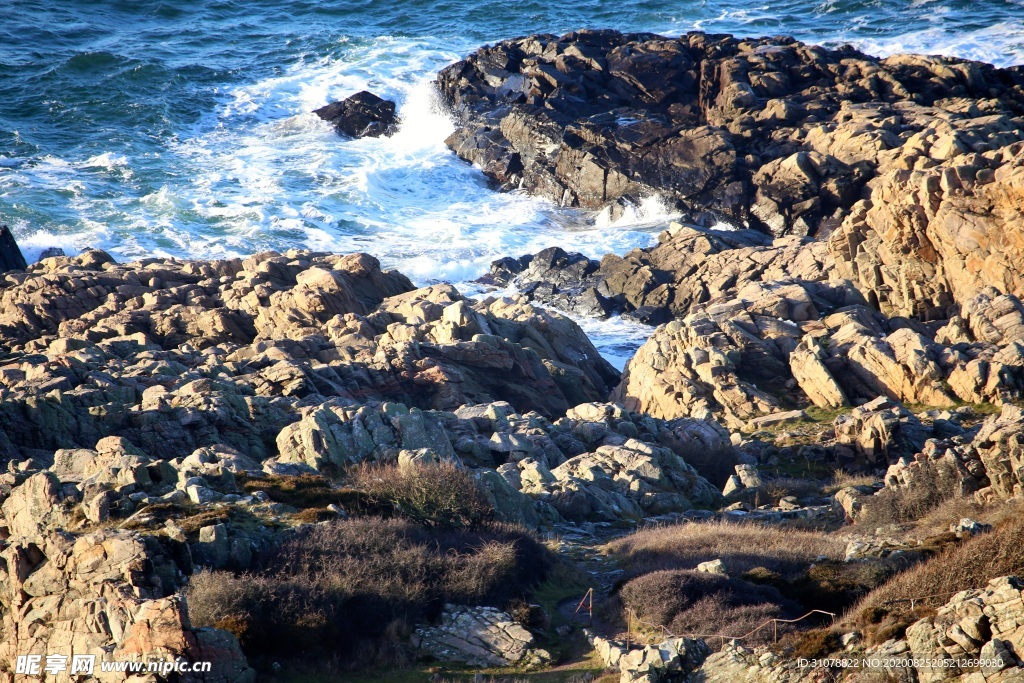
x=671, y=660
x=689, y=268
x=931, y=237
x=148, y=407
x=770, y=133
x=361, y=115
x=103, y=594
x=177, y=355
x=734, y=362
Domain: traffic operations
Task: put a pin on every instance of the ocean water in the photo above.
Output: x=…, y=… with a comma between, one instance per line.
x=182, y=127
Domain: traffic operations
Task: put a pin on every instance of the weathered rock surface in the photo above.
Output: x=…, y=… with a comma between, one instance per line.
x=932, y=236
x=879, y=431
x=671, y=660
x=735, y=362
x=479, y=636
x=98, y=594
x=178, y=355
x=983, y=623
x=687, y=270
x=769, y=133
x=361, y=115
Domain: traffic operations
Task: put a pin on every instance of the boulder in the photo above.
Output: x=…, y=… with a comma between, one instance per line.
x=878, y=432
x=480, y=637
x=11, y=257
x=361, y=115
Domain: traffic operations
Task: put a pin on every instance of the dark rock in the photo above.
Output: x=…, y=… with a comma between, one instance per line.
x=361, y=115
x=767, y=133
x=554, y=277
x=51, y=252
x=10, y=255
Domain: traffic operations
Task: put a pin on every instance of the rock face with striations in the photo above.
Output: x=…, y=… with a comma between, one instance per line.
x=766, y=133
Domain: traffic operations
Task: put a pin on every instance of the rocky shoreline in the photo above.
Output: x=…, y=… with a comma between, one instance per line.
x=165, y=419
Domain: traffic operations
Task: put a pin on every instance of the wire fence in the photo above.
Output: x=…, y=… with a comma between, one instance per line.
x=774, y=623
x=632, y=619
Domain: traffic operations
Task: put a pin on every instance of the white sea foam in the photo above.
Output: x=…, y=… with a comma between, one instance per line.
x=1001, y=44
x=260, y=171
x=651, y=211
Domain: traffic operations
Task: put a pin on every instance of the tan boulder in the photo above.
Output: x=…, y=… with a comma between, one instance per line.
x=809, y=369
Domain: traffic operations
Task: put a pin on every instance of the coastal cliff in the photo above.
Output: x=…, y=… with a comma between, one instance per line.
x=302, y=455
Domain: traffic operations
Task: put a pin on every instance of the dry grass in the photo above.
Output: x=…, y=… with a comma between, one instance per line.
x=905, y=505
x=886, y=612
x=770, y=576
x=353, y=589
x=301, y=491
x=740, y=546
x=950, y=511
x=435, y=496
x=694, y=603
x=842, y=479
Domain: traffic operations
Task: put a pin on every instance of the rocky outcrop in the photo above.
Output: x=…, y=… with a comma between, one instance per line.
x=671, y=660
x=999, y=445
x=974, y=625
x=735, y=663
x=630, y=481
x=480, y=636
x=807, y=363
x=767, y=133
x=736, y=362
x=933, y=235
x=983, y=461
x=982, y=624
x=688, y=269
x=11, y=257
x=361, y=115
x=694, y=368
x=99, y=595
x=878, y=431
x=179, y=355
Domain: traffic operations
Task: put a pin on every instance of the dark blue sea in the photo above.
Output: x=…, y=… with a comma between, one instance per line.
x=182, y=127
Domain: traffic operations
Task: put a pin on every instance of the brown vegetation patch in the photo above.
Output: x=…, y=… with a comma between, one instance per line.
x=931, y=487
x=740, y=546
x=301, y=491
x=971, y=564
x=695, y=603
x=435, y=496
x=351, y=588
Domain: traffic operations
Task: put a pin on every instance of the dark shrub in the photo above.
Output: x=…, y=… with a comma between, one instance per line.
x=716, y=464
x=691, y=602
x=814, y=644
x=348, y=588
x=930, y=488
x=301, y=491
